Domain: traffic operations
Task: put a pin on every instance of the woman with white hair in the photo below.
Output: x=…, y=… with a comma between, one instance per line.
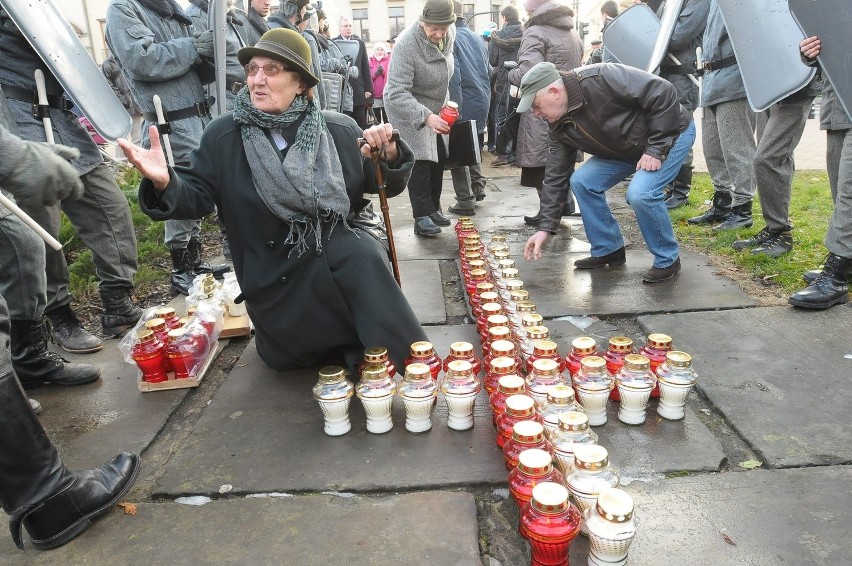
x=379, y=63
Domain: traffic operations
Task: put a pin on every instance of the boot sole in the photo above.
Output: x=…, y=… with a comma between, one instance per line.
x=820, y=306
x=37, y=384
x=82, y=350
x=85, y=521
x=615, y=263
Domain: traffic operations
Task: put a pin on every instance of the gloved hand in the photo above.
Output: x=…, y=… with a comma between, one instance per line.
x=232, y=17
x=353, y=72
x=204, y=43
x=510, y=64
x=42, y=175
x=8, y=24
x=380, y=70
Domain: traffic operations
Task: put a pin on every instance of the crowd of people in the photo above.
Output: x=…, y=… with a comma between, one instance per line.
x=284, y=171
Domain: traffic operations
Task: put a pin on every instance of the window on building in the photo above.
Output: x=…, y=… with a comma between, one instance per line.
x=467, y=11
x=105, y=48
x=361, y=24
x=396, y=15
x=495, y=13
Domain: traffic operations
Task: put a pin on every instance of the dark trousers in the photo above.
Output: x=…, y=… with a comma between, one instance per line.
x=359, y=114
x=424, y=187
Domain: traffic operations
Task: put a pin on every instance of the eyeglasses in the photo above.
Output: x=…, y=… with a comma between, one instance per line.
x=270, y=69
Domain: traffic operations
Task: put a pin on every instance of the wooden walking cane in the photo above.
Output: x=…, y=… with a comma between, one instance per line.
x=376, y=153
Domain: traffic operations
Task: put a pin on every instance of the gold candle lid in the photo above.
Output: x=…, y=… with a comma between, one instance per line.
x=503, y=348
x=593, y=364
x=374, y=372
x=614, y=505
x=465, y=220
x=590, y=457
x=636, y=362
x=621, y=344
x=477, y=273
x=472, y=238
x=472, y=254
x=485, y=287
x=458, y=368
x=520, y=405
x=532, y=319
x=496, y=333
x=511, y=384
x=527, y=432
x=519, y=295
x=422, y=348
x=535, y=462
x=660, y=341
x=492, y=308
x=545, y=367
x=501, y=254
x=503, y=365
x=574, y=421
x=331, y=374
x=584, y=345
x=538, y=332
x=165, y=312
x=177, y=333
x=498, y=238
x=514, y=285
x=461, y=349
x=155, y=323
x=417, y=370
x=497, y=320
x=550, y=498
x=560, y=395
x=376, y=355
x=525, y=306
x=489, y=296
x=506, y=263
x=510, y=273
x=544, y=347
x=145, y=335
x=679, y=359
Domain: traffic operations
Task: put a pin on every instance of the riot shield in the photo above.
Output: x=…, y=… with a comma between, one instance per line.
x=630, y=37
x=216, y=20
x=349, y=47
x=50, y=35
x=333, y=85
x=831, y=23
x=766, y=43
x=671, y=11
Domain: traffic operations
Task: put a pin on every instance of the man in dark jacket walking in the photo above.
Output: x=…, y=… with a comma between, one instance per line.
x=502, y=49
x=362, y=85
x=631, y=123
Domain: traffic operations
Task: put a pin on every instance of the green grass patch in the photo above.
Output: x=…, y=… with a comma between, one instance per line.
x=810, y=210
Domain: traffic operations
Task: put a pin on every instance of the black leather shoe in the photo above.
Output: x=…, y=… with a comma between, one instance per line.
x=439, y=219
x=757, y=240
x=423, y=226
x=461, y=210
x=532, y=220
x=182, y=274
x=780, y=244
x=64, y=515
x=830, y=288
x=718, y=211
x=660, y=274
x=740, y=217
x=35, y=365
x=69, y=334
x=676, y=200
x=618, y=257
x=120, y=314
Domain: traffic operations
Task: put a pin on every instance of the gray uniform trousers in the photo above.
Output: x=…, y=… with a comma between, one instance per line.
x=468, y=182
x=729, y=148
x=102, y=220
x=779, y=130
x=838, y=240
x=22, y=274
x=5, y=340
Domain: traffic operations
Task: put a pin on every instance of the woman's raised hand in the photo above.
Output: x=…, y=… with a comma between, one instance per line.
x=150, y=162
x=378, y=136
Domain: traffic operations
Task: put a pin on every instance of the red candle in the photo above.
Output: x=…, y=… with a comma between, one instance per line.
x=549, y=522
x=509, y=384
x=619, y=348
x=545, y=350
x=525, y=435
x=518, y=408
x=463, y=351
x=535, y=466
x=580, y=348
x=423, y=352
x=148, y=355
x=450, y=112
x=181, y=352
x=655, y=349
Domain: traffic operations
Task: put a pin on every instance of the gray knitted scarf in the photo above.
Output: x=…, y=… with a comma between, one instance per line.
x=307, y=189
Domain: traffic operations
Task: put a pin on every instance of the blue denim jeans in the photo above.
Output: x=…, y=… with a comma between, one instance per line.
x=644, y=194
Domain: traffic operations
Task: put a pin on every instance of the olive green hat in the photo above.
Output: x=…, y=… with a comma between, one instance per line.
x=438, y=12
x=283, y=45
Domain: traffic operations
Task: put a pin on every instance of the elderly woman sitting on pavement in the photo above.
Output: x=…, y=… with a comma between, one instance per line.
x=288, y=180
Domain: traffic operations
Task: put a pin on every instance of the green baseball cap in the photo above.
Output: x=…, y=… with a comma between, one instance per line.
x=539, y=76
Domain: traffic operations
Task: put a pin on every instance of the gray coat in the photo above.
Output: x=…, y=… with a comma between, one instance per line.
x=234, y=72
x=303, y=306
x=158, y=56
x=549, y=35
x=726, y=84
x=418, y=79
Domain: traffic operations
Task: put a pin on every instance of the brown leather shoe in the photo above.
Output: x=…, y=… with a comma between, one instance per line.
x=660, y=274
x=618, y=257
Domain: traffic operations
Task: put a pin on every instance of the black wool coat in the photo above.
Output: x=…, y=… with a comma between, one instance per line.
x=305, y=308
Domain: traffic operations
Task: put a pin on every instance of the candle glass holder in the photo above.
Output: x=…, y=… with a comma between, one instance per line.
x=334, y=392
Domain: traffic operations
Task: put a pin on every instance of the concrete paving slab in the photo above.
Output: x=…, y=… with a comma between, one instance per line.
x=558, y=289
x=410, y=529
x=770, y=517
x=264, y=432
x=778, y=375
x=92, y=423
x=421, y=285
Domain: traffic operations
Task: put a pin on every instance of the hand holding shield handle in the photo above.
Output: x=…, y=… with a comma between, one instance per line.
x=162, y=126
x=375, y=155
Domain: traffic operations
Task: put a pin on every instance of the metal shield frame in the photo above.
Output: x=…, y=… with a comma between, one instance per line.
x=671, y=12
x=766, y=43
x=832, y=23
x=349, y=47
x=216, y=20
x=631, y=37
x=50, y=35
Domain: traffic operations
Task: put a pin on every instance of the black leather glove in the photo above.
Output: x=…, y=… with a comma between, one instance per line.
x=8, y=24
x=42, y=175
x=204, y=43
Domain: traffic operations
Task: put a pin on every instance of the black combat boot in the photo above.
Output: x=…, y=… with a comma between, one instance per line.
x=200, y=266
x=719, y=210
x=740, y=217
x=182, y=274
x=53, y=503
x=36, y=365
x=811, y=275
x=69, y=334
x=120, y=314
x=830, y=288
